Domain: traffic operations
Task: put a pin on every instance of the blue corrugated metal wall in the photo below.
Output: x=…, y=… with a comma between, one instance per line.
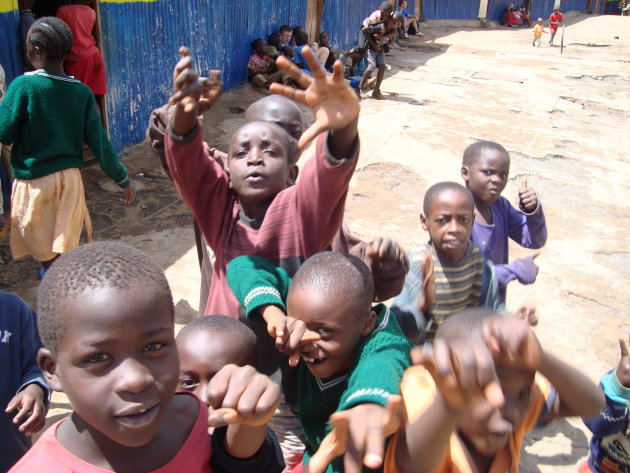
x=539, y=8
x=342, y=20
x=9, y=45
x=450, y=9
x=141, y=39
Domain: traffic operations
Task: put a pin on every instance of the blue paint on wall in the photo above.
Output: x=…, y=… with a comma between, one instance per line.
x=141, y=42
x=342, y=20
x=450, y=9
x=538, y=8
x=10, y=58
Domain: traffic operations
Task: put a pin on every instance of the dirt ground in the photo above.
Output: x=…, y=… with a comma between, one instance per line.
x=565, y=119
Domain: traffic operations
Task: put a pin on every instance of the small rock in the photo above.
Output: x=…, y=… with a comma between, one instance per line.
x=616, y=37
x=143, y=206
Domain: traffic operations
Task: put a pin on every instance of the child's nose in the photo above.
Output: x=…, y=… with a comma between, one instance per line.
x=132, y=376
x=254, y=156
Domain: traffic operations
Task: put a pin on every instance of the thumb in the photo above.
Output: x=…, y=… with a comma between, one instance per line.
x=13, y=403
x=523, y=183
x=309, y=337
x=624, y=348
x=535, y=255
x=310, y=134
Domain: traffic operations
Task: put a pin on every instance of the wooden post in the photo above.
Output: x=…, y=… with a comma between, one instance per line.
x=314, y=10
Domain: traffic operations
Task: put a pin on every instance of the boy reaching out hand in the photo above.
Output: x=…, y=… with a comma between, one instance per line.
x=476, y=392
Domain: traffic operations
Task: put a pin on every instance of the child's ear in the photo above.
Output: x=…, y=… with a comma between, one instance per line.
x=464, y=173
x=293, y=174
x=48, y=365
x=423, y=221
x=370, y=321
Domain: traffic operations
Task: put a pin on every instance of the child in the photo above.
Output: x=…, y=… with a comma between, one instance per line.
x=285, y=33
x=255, y=209
x=301, y=40
x=539, y=29
x=273, y=45
x=23, y=386
x=449, y=273
x=324, y=43
x=376, y=37
x=554, y=23
x=206, y=345
x=474, y=419
x=48, y=116
x=485, y=170
x=85, y=61
x=260, y=67
x=106, y=319
x=409, y=20
x=610, y=444
x=352, y=354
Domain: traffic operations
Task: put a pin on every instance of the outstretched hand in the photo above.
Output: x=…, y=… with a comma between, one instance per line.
x=623, y=368
x=358, y=434
x=462, y=371
x=195, y=94
x=512, y=342
x=386, y=256
x=527, y=197
x=241, y=395
x=334, y=103
x=290, y=334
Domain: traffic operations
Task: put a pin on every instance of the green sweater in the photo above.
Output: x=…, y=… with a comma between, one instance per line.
x=48, y=118
x=375, y=372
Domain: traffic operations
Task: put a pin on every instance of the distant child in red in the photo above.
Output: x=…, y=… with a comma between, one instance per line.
x=84, y=61
x=554, y=22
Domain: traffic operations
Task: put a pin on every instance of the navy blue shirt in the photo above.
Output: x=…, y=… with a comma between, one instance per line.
x=19, y=343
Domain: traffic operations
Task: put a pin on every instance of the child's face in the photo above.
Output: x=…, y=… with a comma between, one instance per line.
x=487, y=176
x=117, y=362
x=338, y=325
x=261, y=47
x=258, y=164
x=449, y=223
x=201, y=356
x=323, y=39
x=285, y=37
x=403, y=4
x=487, y=429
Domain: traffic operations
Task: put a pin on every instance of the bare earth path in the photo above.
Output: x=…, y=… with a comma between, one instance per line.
x=565, y=120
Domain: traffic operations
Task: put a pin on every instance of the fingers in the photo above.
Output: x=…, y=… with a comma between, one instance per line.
x=333, y=445
x=298, y=75
x=524, y=183
x=184, y=53
x=622, y=346
x=14, y=402
x=393, y=418
x=316, y=68
x=36, y=420
x=374, y=444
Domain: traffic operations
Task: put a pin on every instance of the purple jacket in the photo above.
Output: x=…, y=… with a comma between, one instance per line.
x=528, y=230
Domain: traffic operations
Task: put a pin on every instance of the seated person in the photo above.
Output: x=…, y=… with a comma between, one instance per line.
x=273, y=45
x=475, y=419
x=301, y=40
x=106, y=318
x=409, y=20
x=351, y=354
x=449, y=273
x=288, y=52
x=324, y=43
x=260, y=67
x=285, y=33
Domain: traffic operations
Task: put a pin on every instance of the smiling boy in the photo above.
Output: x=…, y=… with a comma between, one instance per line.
x=448, y=273
x=351, y=355
x=106, y=320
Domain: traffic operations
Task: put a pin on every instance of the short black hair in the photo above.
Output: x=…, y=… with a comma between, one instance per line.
x=331, y=272
x=289, y=144
x=224, y=326
x=274, y=40
x=52, y=36
x=256, y=42
x=387, y=6
x=95, y=265
x=473, y=152
x=464, y=325
x=284, y=28
x=436, y=189
x=287, y=51
x=301, y=37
